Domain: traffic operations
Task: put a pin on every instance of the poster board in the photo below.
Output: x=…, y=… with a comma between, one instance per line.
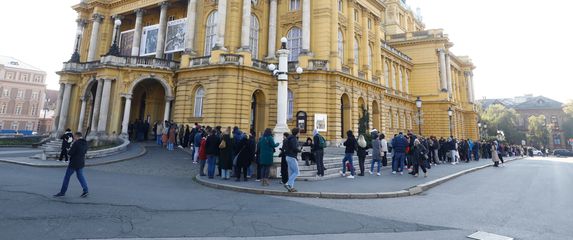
x=320, y=122
x=126, y=42
x=175, y=38
x=149, y=40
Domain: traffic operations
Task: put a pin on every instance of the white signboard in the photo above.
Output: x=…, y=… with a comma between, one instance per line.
x=320, y=122
x=175, y=40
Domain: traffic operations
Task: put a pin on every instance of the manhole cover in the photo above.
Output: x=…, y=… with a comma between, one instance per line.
x=479, y=235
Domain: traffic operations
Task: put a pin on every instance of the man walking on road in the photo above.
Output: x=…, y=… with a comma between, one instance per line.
x=77, y=162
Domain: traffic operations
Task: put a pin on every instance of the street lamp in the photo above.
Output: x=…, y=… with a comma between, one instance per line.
x=281, y=74
x=450, y=114
x=419, y=106
x=76, y=55
x=485, y=129
x=114, y=49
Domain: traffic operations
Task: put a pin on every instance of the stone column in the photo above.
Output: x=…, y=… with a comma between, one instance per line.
x=162, y=30
x=137, y=33
x=470, y=82
x=79, y=33
x=272, y=29
x=365, y=44
x=407, y=81
x=221, y=22
x=55, y=124
x=167, y=111
x=443, y=74
x=246, y=26
x=104, y=107
x=306, y=26
x=126, y=113
x=349, y=48
x=115, y=29
x=377, y=54
x=97, y=104
x=400, y=79
x=65, y=107
x=393, y=76
x=190, y=35
x=449, y=76
x=82, y=115
x=93, y=49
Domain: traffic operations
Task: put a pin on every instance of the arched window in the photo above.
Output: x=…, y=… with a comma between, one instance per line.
x=254, y=37
x=370, y=55
x=290, y=109
x=393, y=77
x=356, y=52
x=294, y=43
x=341, y=45
x=340, y=5
x=391, y=119
x=210, y=33
x=199, y=99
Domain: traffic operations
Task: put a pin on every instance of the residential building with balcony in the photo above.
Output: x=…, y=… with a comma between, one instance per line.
x=206, y=61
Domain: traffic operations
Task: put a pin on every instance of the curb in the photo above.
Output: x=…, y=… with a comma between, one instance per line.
x=411, y=191
x=141, y=153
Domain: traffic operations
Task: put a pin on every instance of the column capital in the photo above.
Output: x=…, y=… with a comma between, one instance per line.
x=83, y=98
x=139, y=12
x=169, y=98
x=164, y=4
x=126, y=95
x=81, y=22
x=97, y=17
x=117, y=16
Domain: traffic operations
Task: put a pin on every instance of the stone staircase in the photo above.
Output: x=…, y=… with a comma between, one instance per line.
x=333, y=166
x=52, y=149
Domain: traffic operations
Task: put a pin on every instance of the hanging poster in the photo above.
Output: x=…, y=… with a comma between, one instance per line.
x=149, y=40
x=320, y=120
x=126, y=42
x=175, y=40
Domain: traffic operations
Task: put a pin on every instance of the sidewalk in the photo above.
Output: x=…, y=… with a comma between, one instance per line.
x=370, y=186
x=133, y=150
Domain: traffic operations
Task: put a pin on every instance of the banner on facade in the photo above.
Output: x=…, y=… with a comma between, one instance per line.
x=126, y=42
x=175, y=40
x=149, y=40
x=320, y=122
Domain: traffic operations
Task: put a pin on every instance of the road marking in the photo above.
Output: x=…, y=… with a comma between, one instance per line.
x=479, y=235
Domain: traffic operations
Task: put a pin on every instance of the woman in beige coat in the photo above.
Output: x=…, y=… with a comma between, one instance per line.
x=494, y=156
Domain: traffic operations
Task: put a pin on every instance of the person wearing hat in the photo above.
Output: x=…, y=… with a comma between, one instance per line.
x=67, y=139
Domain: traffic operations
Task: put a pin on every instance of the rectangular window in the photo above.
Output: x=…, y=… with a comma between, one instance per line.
x=20, y=94
x=1, y=125
x=6, y=92
x=18, y=110
x=3, y=108
x=24, y=77
x=294, y=5
x=29, y=126
x=34, y=95
x=14, y=126
x=355, y=15
x=9, y=76
x=34, y=110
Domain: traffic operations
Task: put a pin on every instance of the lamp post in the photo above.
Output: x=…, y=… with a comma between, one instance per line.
x=114, y=49
x=450, y=114
x=76, y=55
x=419, y=106
x=485, y=129
x=281, y=74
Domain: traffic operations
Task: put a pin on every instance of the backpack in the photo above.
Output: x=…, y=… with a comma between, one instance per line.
x=321, y=141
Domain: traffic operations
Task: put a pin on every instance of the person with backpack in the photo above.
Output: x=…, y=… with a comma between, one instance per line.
x=67, y=139
x=350, y=144
x=292, y=150
x=361, y=151
x=319, y=145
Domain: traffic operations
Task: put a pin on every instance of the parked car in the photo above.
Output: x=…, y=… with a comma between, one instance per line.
x=537, y=152
x=562, y=152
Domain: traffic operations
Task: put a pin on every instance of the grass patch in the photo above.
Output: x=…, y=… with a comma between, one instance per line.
x=15, y=141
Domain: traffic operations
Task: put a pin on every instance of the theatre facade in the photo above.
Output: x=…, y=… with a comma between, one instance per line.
x=206, y=61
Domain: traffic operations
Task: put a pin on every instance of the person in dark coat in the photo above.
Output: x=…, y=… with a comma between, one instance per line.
x=318, y=150
x=212, y=151
x=245, y=155
x=361, y=152
x=282, y=155
x=307, y=156
x=226, y=155
x=186, y=136
x=77, y=153
x=67, y=138
x=419, y=153
x=350, y=145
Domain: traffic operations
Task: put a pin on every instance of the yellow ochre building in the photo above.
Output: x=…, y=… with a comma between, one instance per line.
x=206, y=61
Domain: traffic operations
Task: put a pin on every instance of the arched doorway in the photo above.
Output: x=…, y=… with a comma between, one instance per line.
x=258, y=113
x=345, y=115
x=376, y=116
x=147, y=106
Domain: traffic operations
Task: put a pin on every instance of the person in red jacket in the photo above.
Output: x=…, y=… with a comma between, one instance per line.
x=202, y=156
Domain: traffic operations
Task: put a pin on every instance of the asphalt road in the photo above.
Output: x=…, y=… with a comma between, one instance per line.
x=154, y=197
